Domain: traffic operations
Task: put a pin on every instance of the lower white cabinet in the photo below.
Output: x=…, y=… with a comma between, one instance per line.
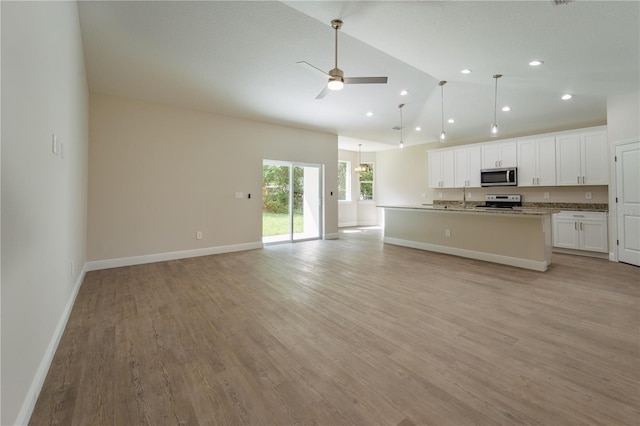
x=580, y=231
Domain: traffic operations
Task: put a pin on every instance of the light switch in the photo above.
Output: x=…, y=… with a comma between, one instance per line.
x=54, y=144
x=587, y=195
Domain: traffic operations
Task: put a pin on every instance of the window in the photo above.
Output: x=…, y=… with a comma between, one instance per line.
x=344, y=181
x=366, y=182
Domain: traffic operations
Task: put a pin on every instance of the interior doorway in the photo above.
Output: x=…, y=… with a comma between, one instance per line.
x=291, y=201
x=627, y=167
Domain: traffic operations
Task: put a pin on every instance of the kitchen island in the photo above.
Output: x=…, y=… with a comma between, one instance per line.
x=518, y=237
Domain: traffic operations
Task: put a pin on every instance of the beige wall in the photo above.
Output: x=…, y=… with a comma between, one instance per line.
x=44, y=196
x=159, y=174
x=348, y=210
x=402, y=176
x=623, y=117
x=356, y=212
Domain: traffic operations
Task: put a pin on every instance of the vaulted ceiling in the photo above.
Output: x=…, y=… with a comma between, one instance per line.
x=240, y=58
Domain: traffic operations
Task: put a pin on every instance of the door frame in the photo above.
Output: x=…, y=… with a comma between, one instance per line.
x=321, y=201
x=613, y=194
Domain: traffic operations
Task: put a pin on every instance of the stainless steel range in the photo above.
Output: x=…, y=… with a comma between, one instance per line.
x=502, y=201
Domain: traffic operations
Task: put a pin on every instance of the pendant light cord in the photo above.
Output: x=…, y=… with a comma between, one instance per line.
x=401, y=105
x=442, y=106
x=495, y=101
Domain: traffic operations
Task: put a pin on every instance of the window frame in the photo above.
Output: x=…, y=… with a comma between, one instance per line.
x=370, y=164
x=347, y=182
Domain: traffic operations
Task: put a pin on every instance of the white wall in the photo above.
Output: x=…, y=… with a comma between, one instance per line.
x=44, y=196
x=158, y=174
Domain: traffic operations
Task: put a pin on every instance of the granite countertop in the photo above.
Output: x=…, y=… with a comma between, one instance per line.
x=457, y=208
x=587, y=207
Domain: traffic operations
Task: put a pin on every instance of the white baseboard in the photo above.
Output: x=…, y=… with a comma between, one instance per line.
x=347, y=224
x=471, y=254
x=332, y=236
x=585, y=253
x=161, y=257
x=41, y=374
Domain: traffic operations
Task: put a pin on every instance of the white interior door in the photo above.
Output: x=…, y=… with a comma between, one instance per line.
x=628, y=202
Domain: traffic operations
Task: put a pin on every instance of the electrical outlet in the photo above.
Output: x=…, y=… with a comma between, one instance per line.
x=546, y=195
x=447, y=232
x=468, y=195
x=199, y=235
x=587, y=195
x=439, y=194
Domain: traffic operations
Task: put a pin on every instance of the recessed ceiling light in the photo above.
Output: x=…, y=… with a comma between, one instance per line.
x=566, y=97
x=536, y=63
x=418, y=129
x=369, y=114
x=466, y=71
x=403, y=93
x=451, y=121
x=506, y=108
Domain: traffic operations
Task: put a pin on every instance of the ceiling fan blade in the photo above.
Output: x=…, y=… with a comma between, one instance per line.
x=313, y=67
x=365, y=80
x=323, y=93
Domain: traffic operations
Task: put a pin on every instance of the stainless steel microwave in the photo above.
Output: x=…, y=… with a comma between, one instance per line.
x=507, y=176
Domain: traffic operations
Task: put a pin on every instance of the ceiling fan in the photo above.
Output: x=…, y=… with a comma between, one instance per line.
x=337, y=80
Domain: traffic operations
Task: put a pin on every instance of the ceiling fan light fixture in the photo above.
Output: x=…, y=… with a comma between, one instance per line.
x=336, y=83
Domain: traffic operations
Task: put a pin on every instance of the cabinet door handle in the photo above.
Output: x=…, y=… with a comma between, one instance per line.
x=533, y=181
x=575, y=225
x=583, y=179
x=538, y=181
x=581, y=226
x=578, y=180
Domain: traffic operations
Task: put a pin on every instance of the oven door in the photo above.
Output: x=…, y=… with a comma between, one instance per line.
x=499, y=177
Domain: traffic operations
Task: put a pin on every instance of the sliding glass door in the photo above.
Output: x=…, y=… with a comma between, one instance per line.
x=291, y=201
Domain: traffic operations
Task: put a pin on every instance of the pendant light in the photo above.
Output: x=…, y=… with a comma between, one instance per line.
x=361, y=168
x=401, y=141
x=494, y=126
x=443, y=135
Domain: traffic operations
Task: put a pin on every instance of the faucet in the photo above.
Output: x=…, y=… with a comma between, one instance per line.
x=464, y=197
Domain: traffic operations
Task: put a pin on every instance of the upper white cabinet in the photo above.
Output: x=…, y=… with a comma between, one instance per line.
x=537, y=161
x=581, y=158
x=499, y=154
x=467, y=166
x=441, y=169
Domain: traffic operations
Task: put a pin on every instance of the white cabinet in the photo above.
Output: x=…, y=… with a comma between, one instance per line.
x=499, y=154
x=581, y=158
x=467, y=167
x=441, y=169
x=537, y=162
x=580, y=231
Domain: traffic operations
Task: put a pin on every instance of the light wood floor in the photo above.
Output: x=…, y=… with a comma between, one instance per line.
x=349, y=331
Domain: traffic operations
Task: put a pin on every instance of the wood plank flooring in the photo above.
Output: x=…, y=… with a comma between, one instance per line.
x=349, y=331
